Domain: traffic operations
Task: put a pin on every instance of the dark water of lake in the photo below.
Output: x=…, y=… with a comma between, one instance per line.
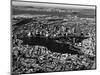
x=51, y=44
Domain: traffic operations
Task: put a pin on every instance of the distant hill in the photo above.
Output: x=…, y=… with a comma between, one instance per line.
x=17, y=10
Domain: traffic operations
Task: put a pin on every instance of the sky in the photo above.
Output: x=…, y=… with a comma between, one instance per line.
x=38, y=4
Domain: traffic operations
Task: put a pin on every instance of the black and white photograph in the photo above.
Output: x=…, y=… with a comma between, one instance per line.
x=52, y=37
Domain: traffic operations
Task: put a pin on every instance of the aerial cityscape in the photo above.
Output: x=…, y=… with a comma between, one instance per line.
x=50, y=37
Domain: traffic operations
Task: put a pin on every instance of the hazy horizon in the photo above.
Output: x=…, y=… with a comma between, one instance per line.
x=47, y=5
